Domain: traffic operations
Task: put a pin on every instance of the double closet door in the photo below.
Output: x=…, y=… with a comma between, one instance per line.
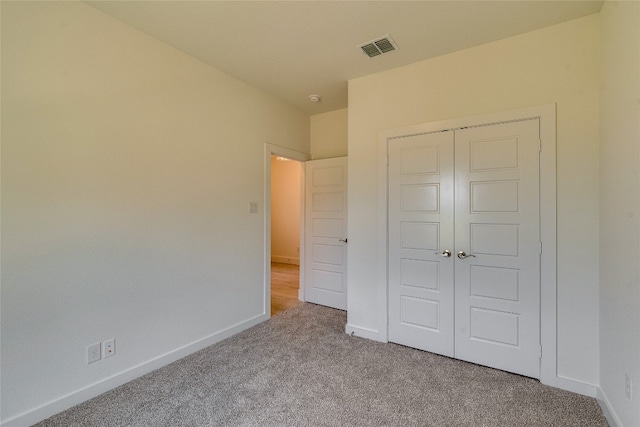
x=464, y=244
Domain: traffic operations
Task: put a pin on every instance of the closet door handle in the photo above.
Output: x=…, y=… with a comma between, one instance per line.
x=446, y=253
x=463, y=255
x=344, y=240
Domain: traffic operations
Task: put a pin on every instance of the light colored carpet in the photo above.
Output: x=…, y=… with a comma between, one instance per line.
x=301, y=369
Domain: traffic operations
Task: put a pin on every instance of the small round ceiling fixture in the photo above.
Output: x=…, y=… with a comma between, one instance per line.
x=314, y=98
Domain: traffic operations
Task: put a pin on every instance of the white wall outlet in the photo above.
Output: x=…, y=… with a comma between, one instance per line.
x=628, y=386
x=253, y=207
x=109, y=348
x=93, y=353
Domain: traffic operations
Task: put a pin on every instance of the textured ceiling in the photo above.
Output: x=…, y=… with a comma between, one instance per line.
x=293, y=49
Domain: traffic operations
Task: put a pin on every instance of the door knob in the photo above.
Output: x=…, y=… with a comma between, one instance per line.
x=446, y=253
x=463, y=255
x=344, y=240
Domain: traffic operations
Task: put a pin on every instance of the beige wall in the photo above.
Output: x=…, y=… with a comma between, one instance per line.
x=127, y=172
x=329, y=134
x=285, y=211
x=620, y=208
x=559, y=65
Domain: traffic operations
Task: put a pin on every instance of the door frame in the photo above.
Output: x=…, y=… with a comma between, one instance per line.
x=275, y=150
x=548, y=278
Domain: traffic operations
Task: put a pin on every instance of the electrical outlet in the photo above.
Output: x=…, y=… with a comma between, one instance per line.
x=253, y=207
x=109, y=348
x=93, y=353
x=628, y=386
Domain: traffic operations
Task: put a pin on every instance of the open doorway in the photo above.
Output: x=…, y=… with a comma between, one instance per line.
x=286, y=194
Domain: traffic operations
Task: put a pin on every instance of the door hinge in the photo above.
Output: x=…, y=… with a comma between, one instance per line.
x=539, y=145
x=539, y=352
x=540, y=249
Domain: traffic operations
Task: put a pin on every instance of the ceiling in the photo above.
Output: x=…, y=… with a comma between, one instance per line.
x=292, y=49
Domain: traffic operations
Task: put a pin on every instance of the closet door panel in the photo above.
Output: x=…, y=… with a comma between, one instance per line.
x=497, y=287
x=420, y=229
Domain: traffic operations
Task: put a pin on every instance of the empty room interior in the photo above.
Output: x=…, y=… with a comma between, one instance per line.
x=457, y=177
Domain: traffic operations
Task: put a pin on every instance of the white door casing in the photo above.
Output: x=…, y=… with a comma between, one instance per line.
x=325, y=269
x=420, y=230
x=493, y=293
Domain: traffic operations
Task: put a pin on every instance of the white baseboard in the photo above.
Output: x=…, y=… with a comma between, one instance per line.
x=369, y=334
x=285, y=260
x=575, y=386
x=607, y=410
x=65, y=402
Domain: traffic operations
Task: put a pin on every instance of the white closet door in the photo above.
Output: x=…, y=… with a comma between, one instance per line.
x=420, y=230
x=497, y=296
x=325, y=281
x=481, y=186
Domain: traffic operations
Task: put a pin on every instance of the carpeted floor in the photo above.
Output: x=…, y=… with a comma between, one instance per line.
x=301, y=369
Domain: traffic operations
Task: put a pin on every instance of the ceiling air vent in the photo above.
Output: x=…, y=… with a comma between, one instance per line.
x=378, y=46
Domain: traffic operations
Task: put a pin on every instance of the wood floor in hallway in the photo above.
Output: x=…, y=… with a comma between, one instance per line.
x=285, y=281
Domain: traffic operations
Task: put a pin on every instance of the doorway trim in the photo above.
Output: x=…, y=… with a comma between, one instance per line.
x=548, y=278
x=276, y=150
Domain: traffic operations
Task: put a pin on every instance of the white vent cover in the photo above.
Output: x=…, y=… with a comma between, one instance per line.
x=378, y=46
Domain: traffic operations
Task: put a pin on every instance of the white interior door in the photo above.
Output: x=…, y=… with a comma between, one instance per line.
x=480, y=200
x=420, y=231
x=497, y=227
x=325, y=271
